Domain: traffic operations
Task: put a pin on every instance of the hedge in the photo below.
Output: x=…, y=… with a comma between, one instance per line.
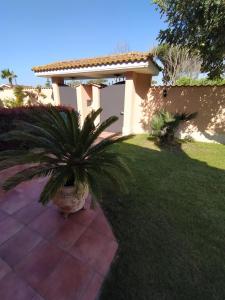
x=9, y=117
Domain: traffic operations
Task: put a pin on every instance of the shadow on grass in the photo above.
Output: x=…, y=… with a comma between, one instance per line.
x=170, y=228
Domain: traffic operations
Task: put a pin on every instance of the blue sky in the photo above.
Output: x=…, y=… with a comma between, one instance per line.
x=42, y=31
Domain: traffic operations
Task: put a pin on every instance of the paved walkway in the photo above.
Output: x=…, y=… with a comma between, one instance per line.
x=43, y=255
x=106, y=134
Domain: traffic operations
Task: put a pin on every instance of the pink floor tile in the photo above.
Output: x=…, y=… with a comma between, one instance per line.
x=14, y=288
x=13, y=201
x=68, y=234
x=67, y=281
x=3, y=215
x=48, y=222
x=85, y=216
x=104, y=260
x=30, y=212
x=44, y=256
x=93, y=288
x=8, y=227
x=4, y=268
x=89, y=246
x=37, y=297
x=101, y=225
x=23, y=241
x=39, y=264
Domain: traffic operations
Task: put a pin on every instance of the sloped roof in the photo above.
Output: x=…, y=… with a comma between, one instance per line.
x=96, y=61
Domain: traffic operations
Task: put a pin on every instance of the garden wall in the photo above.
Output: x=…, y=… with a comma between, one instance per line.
x=9, y=94
x=69, y=97
x=208, y=101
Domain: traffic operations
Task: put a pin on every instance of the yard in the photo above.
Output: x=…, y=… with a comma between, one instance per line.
x=171, y=227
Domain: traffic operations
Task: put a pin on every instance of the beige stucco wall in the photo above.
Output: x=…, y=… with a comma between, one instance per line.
x=84, y=98
x=142, y=85
x=67, y=96
x=207, y=101
x=136, y=89
x=8, y=93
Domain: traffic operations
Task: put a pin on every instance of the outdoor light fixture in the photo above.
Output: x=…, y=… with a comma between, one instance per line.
x=165, y=92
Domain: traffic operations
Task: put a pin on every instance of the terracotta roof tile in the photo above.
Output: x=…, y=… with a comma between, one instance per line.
x=95, y=61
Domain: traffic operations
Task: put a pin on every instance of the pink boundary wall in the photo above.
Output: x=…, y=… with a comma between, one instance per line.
x=208, y=101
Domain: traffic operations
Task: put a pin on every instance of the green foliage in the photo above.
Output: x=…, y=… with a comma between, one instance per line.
x=7, y=74
x=97, y=81
x=68, y=153
x=177, y=62
x=9, y=118
x=159, y=120
x=199, y=25
x=10, y=103
x=19, y=95
x=34, y=95
x=74, y=83
x=164, y=125
x=203, y=81
x=18, y=100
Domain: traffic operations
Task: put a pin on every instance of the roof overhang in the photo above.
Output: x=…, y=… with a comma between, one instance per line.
x=103, y=71
x=100, y=67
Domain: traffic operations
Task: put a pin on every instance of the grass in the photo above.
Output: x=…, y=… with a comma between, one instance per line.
x=171, y=226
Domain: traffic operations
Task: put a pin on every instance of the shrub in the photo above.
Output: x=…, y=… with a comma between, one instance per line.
x=187, y=81
x=164, y=125
x=10, y=116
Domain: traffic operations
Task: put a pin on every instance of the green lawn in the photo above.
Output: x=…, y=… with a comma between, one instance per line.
x=171, y=227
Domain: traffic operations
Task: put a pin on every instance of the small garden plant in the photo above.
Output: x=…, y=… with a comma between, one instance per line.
x=69, y=154
x=164, y=126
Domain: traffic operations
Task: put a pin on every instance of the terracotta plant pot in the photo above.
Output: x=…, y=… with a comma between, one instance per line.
x=70, y=201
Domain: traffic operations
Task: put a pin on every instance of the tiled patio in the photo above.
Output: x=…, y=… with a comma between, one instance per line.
x=43, y=255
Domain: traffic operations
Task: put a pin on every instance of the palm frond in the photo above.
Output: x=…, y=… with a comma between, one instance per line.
x=28, y=158
x=59, y=147
x=55, y=182
x=28, y=174
x=31, y=139
x=40, y=131
x=99, y=129
x=93, y=180
x=73, y=124
x=105, y=143
x=11, y=153
x=86, y=130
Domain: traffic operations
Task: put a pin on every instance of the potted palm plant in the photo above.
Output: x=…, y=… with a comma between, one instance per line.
x=73, y=158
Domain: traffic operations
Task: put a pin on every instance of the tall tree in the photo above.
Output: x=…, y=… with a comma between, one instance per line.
x=199, y=25
x=9, y=75
x=121, y=47
x=177, y=62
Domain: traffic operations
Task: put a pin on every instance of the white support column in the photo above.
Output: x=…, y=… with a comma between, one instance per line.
x=128, y=103
x=56, y=83
x=96, y=101
x=136, y=90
